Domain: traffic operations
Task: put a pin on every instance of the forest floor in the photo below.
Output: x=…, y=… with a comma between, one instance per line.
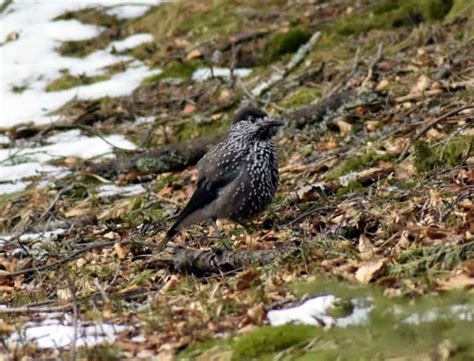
x=375, y=205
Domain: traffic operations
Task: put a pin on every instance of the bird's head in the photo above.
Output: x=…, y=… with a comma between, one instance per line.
x=256, y=122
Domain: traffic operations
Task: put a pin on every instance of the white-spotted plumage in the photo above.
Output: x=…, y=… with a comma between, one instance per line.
x=238, y=177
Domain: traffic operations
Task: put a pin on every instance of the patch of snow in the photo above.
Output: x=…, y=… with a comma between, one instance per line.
x=4, y=139
x=457, y=312
x=144, y=120
x=315, y=312
x=41, y=236
x=32, y=60
x=24, y=170
x=52, y=334
x=131, y=42
x=205, y=73
x=128, y=11
x=66, y=144
x=18, y=186
x=108, y=190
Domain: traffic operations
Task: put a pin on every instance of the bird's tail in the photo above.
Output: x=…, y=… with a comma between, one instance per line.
x=171, y=232
x=168, y=237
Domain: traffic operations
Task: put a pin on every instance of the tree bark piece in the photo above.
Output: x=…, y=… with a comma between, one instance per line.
x=203, y=262
x=278, y=76
x=173, y=157
x=315, y=113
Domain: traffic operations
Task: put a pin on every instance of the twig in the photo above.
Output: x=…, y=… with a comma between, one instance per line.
x=67, y=259
x=75, y=316
x=276, y=77
x=419, y=95
x=75, y=255
x=346, y=81
x=49, y=309
x=427, y=127
x=16, y=237
x=373, y=63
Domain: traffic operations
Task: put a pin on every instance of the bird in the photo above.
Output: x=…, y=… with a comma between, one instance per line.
x=238, y=177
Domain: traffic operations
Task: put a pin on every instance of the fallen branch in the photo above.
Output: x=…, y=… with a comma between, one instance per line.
x=202, y=262
x=418, y=96
x=53, y=265
x=173, y=157
x=26, y=309
x=315, y=113
x=243, y=38
x=276, y=77
x=373, y=63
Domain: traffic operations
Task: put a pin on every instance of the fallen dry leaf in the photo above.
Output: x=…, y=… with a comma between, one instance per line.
x=456, y=282
x=189, y=108
x=193, y=54
x=369, y=270
x=366, y=249
x=343, y=126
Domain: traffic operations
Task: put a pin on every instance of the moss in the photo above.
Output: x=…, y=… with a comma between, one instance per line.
x=425, y=158
x=90, y=15
x=163, y=180
x=350, y=188
x=456, y=150
x=341, y=308
x=116, y=28
x=144, y=278
x=284, y=43
x=393, y=13
x=183, y=70
x=146, y=52
x=405, y=184
x=18, y=88
x=270, y=340
x=100, y=353
x=4, y=5
x=428, y=156
x=68, y=81
x=115, y=68
x=302, y=96
x=143, y=211
x=461, y=8
x=386, y=333
x=191, y=130
x=355, y=164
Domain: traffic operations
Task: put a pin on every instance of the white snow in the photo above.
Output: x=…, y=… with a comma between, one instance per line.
x=4, y=139
x=457, y=312
x=315, y=312
x=108, y=190
x=205, y=73
x=41, y=236
x=32, y=61
x=128, y=11
x=66, y=144
x=6, y=188
x=144, y=120
x=54, y=334
x=24, y=170
x=131, y=42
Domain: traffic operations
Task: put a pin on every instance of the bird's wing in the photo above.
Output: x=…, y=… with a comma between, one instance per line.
x=216, y=169
x=206, y=192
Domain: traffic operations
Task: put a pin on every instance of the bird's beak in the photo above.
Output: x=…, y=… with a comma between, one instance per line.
x=270, y=123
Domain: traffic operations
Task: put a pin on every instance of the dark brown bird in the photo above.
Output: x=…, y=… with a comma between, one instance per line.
x=238, y=177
